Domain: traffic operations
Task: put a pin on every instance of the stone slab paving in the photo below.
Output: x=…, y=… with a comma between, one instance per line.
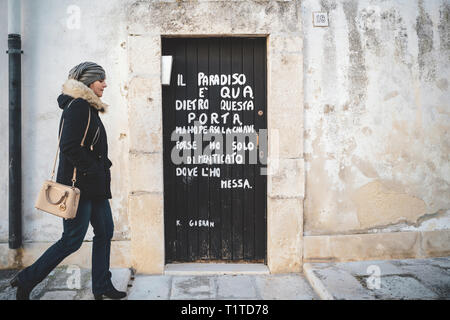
x=406, y=279
x=285, y=287
x=66, y=283
x=150, y=287
x=221, y=287
x=63, y=283
x=367, y=280
x=236, y=287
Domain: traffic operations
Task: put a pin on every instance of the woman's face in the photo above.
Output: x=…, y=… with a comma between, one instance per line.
x=98, y=87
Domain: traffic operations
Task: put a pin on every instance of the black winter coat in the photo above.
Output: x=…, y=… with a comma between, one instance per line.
x=93, y=176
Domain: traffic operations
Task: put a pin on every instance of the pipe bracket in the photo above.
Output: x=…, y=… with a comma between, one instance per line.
x=14, y=51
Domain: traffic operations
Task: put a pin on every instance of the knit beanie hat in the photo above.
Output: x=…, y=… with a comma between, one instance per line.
x=87, y=73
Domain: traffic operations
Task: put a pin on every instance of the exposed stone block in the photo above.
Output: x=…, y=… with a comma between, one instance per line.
x=147, y=232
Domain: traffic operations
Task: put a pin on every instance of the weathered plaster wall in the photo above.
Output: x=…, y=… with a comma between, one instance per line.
x=125, y=37
x=377, y=111
x=376, y=121
x=53, y=44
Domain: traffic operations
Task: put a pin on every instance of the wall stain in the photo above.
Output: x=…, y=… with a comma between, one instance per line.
x=390, y=95
x=366, y=131
x=357, y=73
x=444, y=29
x=48, y=116
x=328, y=108
x=329, y=74
x=392, y=21
x=365, y=167
x=369, y=25
x=424, y=29
x=405, y=176
x=442, y=83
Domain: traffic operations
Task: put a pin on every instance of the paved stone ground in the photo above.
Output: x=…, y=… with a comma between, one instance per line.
x=222, y=287
x=407, y=279
x=64, y=283
x=425, y=279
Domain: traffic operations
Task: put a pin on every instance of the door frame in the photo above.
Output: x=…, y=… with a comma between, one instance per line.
x=285, y=181
x=261, y=229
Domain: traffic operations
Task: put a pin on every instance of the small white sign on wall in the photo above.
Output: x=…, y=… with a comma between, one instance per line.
x=166, y=70
x=320, y=19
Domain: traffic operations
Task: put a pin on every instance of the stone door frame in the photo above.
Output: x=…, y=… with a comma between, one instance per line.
x=280, y=24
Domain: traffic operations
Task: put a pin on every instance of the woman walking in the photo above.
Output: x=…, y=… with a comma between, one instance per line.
x=80, y=96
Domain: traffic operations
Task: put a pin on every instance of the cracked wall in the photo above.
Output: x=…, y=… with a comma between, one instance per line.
x=377, y=133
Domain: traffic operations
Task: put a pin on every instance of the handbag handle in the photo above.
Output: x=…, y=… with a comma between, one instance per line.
x=74, y=176
x=47, y=187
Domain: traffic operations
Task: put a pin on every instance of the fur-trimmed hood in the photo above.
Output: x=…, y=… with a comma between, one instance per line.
x=77, y=89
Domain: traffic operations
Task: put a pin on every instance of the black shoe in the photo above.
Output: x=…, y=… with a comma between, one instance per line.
x=112, y=294
x=21, y=293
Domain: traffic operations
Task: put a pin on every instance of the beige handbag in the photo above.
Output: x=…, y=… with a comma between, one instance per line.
x=56, y=198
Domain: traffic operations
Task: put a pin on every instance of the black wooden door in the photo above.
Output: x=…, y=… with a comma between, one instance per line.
x=215, y=203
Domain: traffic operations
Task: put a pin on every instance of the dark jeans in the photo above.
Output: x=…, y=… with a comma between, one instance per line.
x=98, y=212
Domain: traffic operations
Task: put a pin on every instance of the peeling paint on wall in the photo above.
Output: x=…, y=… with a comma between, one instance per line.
x=377, y=130
x=378, y=205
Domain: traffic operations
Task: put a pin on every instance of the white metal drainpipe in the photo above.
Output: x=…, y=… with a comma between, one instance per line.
x=15, y=124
